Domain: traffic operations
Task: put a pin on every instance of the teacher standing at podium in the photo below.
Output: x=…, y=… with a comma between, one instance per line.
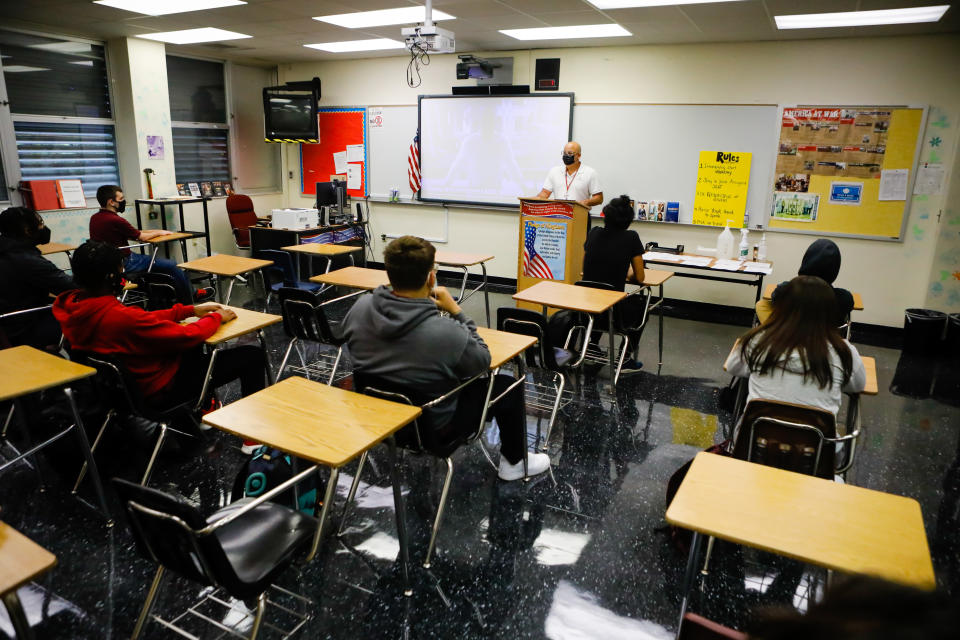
x=573, y=181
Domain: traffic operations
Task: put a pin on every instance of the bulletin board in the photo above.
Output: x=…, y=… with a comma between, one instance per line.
x=339, y=128
x=846, y=170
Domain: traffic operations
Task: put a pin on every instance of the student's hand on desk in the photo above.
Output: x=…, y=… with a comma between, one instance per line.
x=226, y=314
x=445, y=301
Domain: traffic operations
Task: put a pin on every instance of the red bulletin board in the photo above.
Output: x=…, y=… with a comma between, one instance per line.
x=338, y=127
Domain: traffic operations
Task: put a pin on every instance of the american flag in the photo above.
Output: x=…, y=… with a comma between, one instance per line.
x=413, y=164
x=533, y=264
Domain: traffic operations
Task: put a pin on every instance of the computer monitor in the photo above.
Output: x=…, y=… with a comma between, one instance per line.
x=326, y=194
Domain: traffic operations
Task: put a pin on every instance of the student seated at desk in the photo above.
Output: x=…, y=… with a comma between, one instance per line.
x=798, y=355
x=27, y=279
x=108, y=226
x=613, y=254
x=399, y=334
x=163, y=354
x=822, y=259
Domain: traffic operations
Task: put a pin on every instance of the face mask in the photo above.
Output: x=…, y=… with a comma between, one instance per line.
x=568, y=158
x=121, y=206
x=42, y=236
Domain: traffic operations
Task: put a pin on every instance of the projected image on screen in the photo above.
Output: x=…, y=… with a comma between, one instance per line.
x=490, y=150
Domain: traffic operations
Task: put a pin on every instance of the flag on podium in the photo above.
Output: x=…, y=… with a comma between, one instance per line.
x=533, y=264
x=413, y=164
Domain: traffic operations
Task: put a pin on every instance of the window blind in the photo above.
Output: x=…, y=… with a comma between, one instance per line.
x=201, y=154
x=54, y=151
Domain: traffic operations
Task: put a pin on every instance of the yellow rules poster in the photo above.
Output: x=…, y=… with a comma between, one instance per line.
x=722, y=181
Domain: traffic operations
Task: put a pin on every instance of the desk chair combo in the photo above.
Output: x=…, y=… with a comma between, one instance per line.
x=305, y=322
x=548, y=358
x=628, y=324
x=283, y=274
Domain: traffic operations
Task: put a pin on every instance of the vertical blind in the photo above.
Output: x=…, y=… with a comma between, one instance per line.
x=201, y=154
x=54, y=151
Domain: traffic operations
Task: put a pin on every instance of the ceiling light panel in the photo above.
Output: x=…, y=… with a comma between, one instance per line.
x=193, y=36
x=633, y=4
x=383, y=17
x=568, y=33
x=165, y=7
x=21, y=68
x=862, y=18
x=375, y=44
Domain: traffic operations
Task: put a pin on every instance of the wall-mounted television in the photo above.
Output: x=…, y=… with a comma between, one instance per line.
x=290, y=112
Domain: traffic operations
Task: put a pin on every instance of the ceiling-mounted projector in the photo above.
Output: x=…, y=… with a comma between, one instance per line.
x=430, y=39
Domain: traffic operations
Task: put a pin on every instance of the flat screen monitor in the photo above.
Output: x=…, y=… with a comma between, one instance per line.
x=290, y=116
x=326, y=194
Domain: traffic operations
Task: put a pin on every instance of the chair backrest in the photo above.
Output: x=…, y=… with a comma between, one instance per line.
x=529, y=323
x=116, y=385
x=159, y=289
x=790, y=436
x=304, y=318
x=241, y=214
x=283, y=261
x=421, y=434
x=164, y=529
x=624, y=311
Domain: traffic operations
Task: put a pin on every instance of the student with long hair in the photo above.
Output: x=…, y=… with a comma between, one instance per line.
x=798, y=355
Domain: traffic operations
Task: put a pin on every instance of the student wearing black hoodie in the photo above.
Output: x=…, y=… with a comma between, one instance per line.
x=27, y=279
x=398, y=333
x=822, y=259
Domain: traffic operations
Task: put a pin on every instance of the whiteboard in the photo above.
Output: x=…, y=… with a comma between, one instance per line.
x=488, y=150
x=651, y=151
x=389, y=142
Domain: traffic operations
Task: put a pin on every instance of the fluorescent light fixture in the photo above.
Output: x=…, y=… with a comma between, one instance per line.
x=374, y=44
x=281, y=100
x=403, y=15
x=21, y=68
x=562, y=33
x=164, y=7
x=861, y=18
x=83, y=63
x=631, y=4
x=191, y=36
x=63, y=47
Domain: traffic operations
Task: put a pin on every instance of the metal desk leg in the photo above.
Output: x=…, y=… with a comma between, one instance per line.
x=85, y=447
x=206, y=378
x=688, y=576
x=660, y=313
x=401, y=516
x=610, y=354
x=486, y=293
x=153, y=258
x=226, y=300
x=206, y=224
x=759, y=288
x=328, y=497
x=266, y=356
x=21, y=626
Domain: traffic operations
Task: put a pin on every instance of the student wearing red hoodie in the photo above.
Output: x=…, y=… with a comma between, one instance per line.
x=162, y=354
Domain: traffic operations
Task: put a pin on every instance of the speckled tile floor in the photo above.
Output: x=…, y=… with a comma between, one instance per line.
x=584, y=557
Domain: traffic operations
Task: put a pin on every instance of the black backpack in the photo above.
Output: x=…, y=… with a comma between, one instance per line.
x=268, y=468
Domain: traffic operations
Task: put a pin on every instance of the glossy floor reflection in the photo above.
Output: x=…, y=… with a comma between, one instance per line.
x=581, y=554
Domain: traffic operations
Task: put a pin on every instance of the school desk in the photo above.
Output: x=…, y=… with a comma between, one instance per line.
x=656, y=278
x=21, y=561
x=325, y=425
x=464, y=261
x=709, y=271
x=838, y=526
x=321, y=250
x=224, y=266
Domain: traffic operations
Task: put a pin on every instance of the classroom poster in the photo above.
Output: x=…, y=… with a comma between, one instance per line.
x=544, y=249
x=723, y=178
x=846, y=193
x=796, y=207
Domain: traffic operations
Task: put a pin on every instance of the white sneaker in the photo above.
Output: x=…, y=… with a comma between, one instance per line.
x=537, y=463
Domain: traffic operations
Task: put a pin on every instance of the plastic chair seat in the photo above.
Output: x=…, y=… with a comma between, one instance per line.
x=563, y=356
x=279, y=532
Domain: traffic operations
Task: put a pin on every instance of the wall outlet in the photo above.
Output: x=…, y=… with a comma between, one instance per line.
x=383, y=237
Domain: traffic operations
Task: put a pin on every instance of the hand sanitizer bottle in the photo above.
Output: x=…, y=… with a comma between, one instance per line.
x=725, y=245
x=762, y=251
x=744, y=244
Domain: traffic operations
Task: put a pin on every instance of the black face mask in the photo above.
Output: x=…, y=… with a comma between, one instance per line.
x=568, y=158
x=42, y=236
x=121, y=206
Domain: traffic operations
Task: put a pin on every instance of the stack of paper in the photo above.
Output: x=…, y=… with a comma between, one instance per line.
x=697, y=261
x=658, y=255
x=727, y=265
x=758, y=267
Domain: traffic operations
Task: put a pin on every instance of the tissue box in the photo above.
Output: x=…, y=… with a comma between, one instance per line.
x=295, y=218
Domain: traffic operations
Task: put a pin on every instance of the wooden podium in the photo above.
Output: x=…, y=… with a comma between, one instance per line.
x=551, y=235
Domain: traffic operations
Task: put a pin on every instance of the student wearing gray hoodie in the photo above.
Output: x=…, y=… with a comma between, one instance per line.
x=398, y=334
